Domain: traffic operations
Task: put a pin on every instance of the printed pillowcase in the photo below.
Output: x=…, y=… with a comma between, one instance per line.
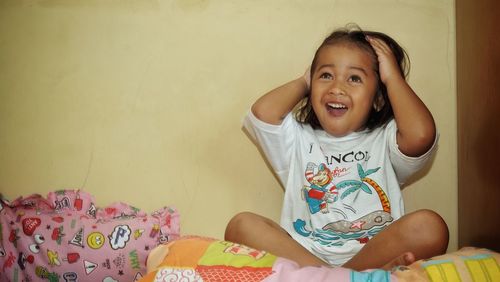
x=65, y=237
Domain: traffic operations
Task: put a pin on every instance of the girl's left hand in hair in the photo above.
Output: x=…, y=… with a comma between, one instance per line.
x=388, y=66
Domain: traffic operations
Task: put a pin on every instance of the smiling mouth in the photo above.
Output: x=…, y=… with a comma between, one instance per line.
x=336, y=109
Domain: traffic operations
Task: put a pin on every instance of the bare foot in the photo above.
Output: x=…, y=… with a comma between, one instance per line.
x=404, y=259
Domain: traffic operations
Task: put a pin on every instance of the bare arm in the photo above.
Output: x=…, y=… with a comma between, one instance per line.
x=416, y=128
x=276, y=104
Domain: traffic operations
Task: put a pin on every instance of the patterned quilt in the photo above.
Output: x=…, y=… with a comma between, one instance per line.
x=195, y=258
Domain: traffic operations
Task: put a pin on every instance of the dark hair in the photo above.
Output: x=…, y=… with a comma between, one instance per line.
x=352, y=34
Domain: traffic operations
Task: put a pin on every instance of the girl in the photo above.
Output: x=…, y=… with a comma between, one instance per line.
x=358, y=133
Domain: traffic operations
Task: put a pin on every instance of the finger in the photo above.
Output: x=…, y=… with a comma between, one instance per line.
x=375, y=41
x=379, y=44
x=375, y=45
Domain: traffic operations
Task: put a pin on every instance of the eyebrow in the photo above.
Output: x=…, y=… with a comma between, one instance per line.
x=350, y=67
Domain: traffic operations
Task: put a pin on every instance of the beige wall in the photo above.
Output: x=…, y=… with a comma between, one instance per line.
x=141, y=101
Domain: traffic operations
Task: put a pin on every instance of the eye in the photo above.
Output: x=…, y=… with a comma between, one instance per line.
x=355, y=78
x=34, y=248
x=326, y=75
x=39, y=239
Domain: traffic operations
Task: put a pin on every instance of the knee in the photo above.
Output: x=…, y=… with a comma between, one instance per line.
x=431, y=230
x=238, y=225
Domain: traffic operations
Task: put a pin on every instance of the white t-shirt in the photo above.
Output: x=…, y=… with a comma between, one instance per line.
x=339, y=192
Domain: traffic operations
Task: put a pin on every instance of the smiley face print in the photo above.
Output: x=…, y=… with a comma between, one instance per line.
x=95, y=240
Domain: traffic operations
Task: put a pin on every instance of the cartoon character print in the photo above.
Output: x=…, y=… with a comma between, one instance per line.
x=23, y=259
x=53, y=258
x=163, y=238
x=317, y=194
x=339, y=232
x=44, y=273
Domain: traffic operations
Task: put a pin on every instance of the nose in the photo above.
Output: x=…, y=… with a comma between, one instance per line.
x=337, y=88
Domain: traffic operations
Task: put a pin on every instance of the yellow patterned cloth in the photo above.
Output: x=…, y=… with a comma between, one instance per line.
x=467, y=264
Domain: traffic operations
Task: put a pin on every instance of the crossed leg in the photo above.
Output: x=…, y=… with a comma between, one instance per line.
x=264, y=234
x=418, y=235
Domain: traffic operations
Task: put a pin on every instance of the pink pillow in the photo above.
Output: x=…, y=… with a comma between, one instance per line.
x=66, y=237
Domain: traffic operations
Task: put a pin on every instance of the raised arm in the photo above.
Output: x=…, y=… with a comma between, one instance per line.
x=276, y=104
x=416, y=128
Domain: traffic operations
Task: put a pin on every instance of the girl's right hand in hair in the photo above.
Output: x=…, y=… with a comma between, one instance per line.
x=276, y=104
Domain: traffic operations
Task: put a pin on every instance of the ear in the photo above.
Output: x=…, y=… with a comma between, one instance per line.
x=378, y=102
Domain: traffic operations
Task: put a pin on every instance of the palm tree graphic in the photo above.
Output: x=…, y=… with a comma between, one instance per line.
x=352, y=186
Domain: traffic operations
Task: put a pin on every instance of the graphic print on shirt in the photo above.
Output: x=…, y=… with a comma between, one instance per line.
x=318, y=196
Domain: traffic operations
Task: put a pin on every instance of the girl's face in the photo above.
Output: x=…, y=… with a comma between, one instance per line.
x=343, y=88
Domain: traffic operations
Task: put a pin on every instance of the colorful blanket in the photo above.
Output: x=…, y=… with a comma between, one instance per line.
x=203, y=259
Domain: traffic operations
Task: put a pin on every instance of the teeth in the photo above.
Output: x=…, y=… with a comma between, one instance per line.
x=336, y=106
